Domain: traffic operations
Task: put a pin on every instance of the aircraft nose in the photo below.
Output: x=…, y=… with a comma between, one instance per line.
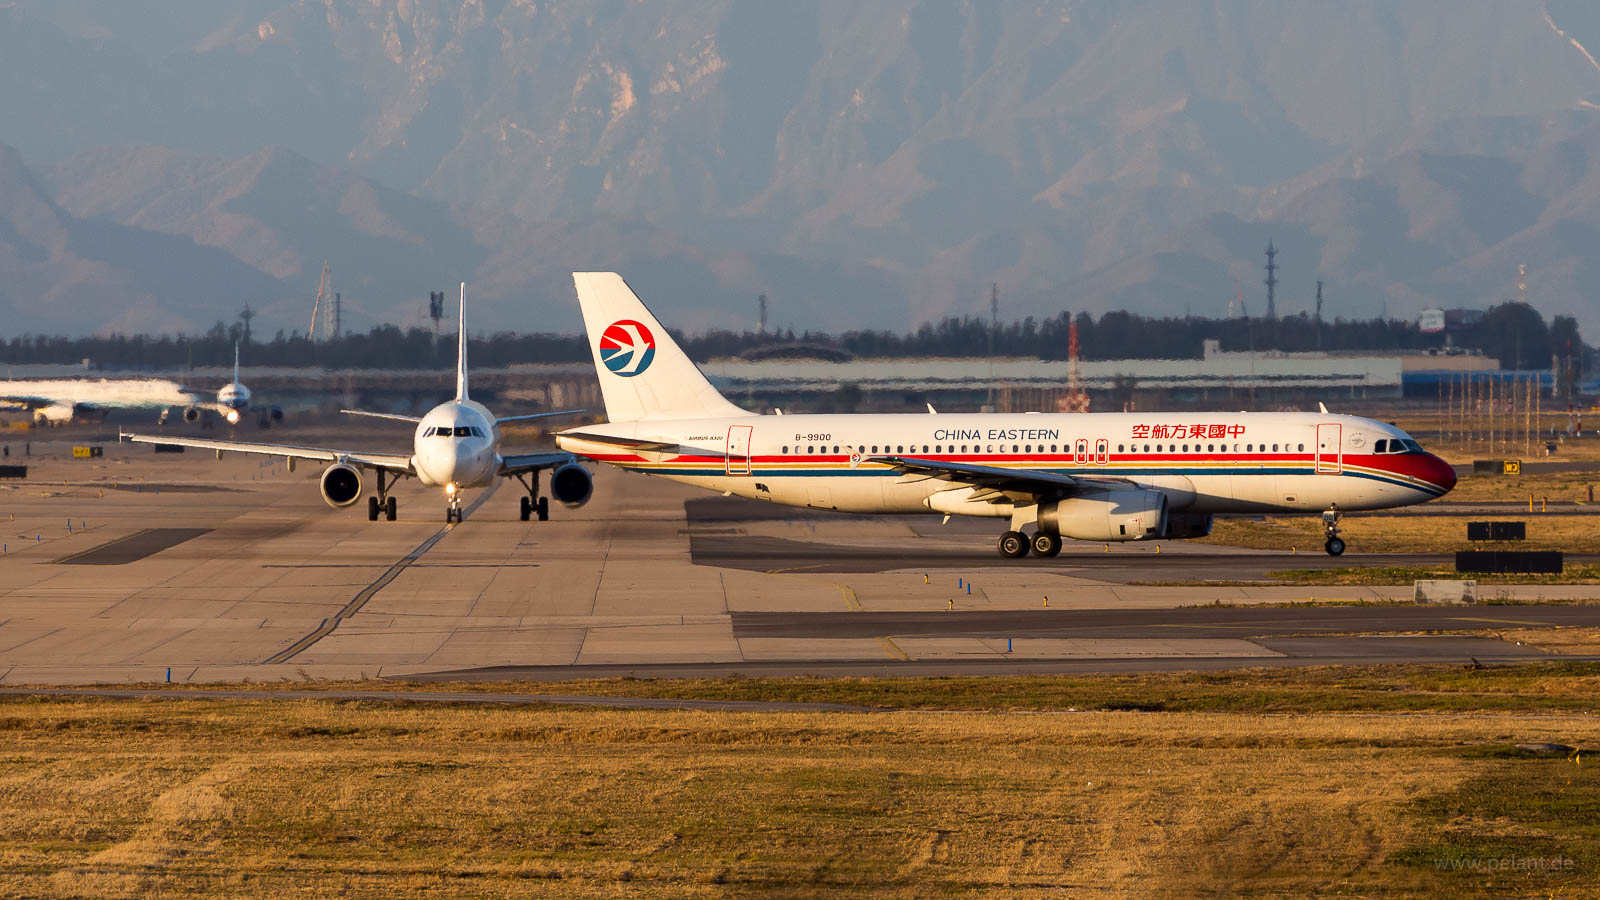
x=440, y=461
x=1441, y=473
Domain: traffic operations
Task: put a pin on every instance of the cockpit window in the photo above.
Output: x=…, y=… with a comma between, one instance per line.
x=1397, y=445
x=463, y=431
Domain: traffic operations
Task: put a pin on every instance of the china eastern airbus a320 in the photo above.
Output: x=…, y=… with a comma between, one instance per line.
x=456, y=446
x=1092, y=477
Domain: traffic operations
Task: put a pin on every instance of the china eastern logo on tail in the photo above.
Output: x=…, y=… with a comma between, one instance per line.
x=627, y=347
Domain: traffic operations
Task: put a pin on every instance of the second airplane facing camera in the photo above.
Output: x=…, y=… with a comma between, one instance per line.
x=456, y=446
x=1100, y=477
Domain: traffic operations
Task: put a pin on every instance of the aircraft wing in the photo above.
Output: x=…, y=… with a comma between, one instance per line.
x=393, y=462
x=125, y=393
x=517, y=463
x=26, y=401
x=531, y=416
x=995, y=478
x=378, y=415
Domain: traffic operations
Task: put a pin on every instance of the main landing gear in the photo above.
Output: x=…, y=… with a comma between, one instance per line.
x=1330, y=526
x=382, y=502
x=533, y=503
x=1015, y=544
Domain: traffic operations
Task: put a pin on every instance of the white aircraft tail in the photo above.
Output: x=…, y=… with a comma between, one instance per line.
x=461, y=349
x=643, y=373
x=235, y=362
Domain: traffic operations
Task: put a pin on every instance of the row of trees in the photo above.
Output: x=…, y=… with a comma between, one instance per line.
x=1514, y=333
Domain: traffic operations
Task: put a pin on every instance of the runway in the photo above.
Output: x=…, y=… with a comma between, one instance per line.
x=136, y=568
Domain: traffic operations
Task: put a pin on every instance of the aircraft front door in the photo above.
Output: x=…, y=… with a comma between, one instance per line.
x=1330, y=452
x=739, y=449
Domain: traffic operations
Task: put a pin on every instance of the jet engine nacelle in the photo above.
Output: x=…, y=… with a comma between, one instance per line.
x=1185, y=526
x=572, y=485
x=1132, y=515
x=191, y=414
x=341, y=485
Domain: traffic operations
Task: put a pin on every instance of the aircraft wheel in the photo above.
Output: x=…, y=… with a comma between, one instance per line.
x=1046, y=544
x=451, y=514
x=390, y=509
x=525, y=508
x=1013, y=545
x=372, y=509
x=1334, y=546
x=543, y=508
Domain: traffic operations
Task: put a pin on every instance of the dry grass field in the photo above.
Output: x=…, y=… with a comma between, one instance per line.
x=1405, y=534
x=179, y=798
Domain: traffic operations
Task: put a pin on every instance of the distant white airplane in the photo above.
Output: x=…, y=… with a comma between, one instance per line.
x=456, y=446
x=1089, y=476
x=61, y=401
x=233, y=402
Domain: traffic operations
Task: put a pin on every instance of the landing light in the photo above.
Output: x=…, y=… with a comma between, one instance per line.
x=450, y=488
x=233, y=417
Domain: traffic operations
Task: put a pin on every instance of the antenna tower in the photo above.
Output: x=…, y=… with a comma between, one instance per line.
x=994, y=325
x=245, y=315
x=1272, y=281
x=1319, y=313
x=436, y=309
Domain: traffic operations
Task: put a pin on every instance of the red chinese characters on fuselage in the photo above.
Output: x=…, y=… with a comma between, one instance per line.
x=1180, y=432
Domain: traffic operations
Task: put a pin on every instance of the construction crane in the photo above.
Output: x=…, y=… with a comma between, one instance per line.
x=1076, y=400
x=318, y=309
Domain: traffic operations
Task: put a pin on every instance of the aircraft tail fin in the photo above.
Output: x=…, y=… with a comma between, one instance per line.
x=461, y=349
x=643, y=373
x=235, y=362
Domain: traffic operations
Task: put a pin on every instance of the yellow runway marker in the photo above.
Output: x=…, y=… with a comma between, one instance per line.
x=893, y=649
x=1498, y=621
x=849, y=594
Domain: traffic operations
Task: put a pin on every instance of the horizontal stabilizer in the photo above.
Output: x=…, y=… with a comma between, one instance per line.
x=642, y=444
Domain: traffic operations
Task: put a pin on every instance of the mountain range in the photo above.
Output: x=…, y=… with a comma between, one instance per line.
x=864, y=165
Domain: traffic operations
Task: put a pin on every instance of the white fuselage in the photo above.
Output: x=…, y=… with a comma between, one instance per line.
x=456, y=443
x=234, y=401
x=234, y=396
x=1204, y=462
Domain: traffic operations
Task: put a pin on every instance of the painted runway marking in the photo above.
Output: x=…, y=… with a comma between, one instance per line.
x=328, y=625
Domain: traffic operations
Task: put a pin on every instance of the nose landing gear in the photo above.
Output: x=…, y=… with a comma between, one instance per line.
x=1330, y=527
x=533, y=503
x=382, y=502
